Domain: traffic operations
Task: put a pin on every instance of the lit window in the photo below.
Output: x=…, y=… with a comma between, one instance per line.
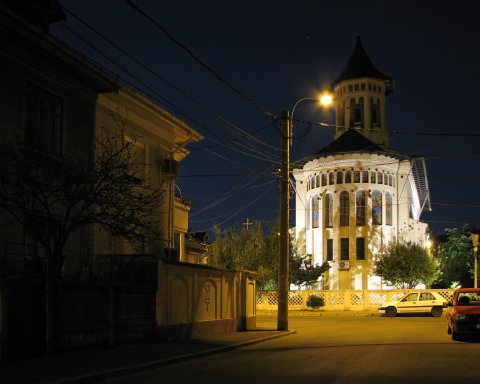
x=315, y=211
x=388, y=208
x=360, y=208
x=377, y=207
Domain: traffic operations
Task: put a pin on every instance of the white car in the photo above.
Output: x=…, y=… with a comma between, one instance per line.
x=415, y=302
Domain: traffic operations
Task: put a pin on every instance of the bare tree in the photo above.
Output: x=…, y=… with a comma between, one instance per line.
x=52, y=197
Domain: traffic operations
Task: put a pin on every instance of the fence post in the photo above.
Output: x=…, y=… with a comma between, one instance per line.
x=112, y=315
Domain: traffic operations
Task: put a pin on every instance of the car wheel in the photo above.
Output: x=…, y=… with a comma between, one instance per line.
x=391, y=312
x=455, y=335
x=437, y=311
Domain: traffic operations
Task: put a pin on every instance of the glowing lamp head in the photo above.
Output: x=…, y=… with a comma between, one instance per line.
x=326, y=99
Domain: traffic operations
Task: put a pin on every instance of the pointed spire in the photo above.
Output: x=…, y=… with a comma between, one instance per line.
x=360, y=65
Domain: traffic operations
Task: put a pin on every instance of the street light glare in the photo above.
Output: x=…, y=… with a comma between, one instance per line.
x=326, y=99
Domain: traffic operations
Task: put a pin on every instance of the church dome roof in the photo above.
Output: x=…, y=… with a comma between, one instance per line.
x=360, y=66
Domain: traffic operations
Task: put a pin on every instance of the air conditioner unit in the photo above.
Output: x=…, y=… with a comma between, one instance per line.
x=171, y=167
x=344, y=265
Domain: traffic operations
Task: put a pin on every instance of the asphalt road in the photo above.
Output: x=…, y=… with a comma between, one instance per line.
x=344, y=349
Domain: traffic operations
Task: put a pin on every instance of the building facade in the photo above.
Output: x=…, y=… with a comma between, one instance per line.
x=357, y=195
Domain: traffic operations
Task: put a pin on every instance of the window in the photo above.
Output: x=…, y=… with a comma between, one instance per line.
x=373, y=177
x=331, y=178
x=365, y=177
x=339, y=177
x=324, y=179
x=380, y=178
x=344, y=209
x=388, y=208
x=426, y=296
x=348, y=177
x=360, y=208
x=44, y=120
x=360, y=248
x=309, y=213
x=138, y=152
x=318, y=181
x=315, y=211
x=329, y=249
x=356, y=176
x=375, y=112
x=328, y=210
x=377, y=207
x=341, y=115
x=344, y=249
x=410, y=297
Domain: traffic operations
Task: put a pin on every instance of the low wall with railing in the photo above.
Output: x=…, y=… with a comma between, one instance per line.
x=194, y=299
x=343, y=300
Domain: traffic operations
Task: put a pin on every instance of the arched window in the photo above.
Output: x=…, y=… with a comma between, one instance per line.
x=315, y=211
x=339, y=177
x=328, y=210
x=308, y=213
x=377, y=207
x=379, y=178
x=388, y=208
x=331, y=178
x=360, y=207
x=324, y=179
x=356, y=176
x=348, y=177
x=364, y=176
x=318, y=181
x=344, y=209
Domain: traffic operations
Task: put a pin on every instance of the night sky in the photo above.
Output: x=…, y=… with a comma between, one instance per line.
x=229, y=67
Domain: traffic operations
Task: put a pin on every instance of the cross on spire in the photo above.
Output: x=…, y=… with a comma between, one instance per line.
x=247, y=223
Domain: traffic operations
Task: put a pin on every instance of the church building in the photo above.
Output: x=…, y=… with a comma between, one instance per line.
x=357, y=195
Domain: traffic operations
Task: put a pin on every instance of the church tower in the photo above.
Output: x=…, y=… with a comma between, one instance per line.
x=356, y=195
x=360, y=91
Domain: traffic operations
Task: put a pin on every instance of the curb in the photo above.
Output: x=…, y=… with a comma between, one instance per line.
x=114, y=373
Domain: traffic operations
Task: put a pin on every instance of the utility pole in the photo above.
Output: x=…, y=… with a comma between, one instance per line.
x=284, y=238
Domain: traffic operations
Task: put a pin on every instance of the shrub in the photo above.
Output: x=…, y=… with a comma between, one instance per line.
x=315, y=301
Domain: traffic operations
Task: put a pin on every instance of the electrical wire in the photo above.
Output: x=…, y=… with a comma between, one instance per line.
x=202, y=63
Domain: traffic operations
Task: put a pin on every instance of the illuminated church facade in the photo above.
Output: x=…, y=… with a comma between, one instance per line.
x=357, y=195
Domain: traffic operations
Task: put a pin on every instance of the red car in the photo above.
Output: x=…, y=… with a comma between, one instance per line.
x=463, y=313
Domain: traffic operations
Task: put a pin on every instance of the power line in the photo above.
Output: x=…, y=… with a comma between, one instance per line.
x=264, y=156
x=437, y=134
x=203, y=64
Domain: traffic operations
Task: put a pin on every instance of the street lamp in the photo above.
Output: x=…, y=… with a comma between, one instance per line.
x=286, y=119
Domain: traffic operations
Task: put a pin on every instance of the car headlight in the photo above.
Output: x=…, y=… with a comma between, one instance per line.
x=461, y=316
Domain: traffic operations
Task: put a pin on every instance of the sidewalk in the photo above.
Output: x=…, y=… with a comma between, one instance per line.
x=90, y=366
